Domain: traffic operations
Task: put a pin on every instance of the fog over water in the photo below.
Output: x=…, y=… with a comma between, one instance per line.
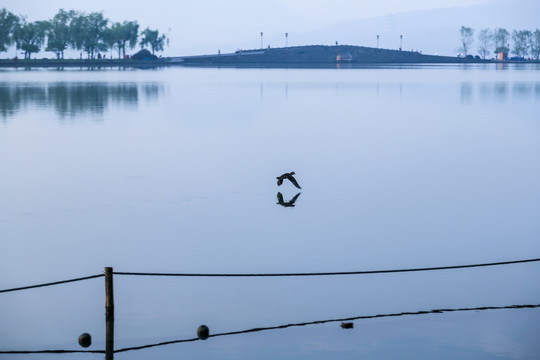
x=174, y=170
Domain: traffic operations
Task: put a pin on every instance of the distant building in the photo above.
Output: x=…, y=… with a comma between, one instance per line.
x=347, y=57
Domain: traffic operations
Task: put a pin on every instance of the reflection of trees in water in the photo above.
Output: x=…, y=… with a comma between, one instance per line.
x=152, y=91
x=466, y=92
x=12, y=99
x=524, y=90
x=72, y=99
x=75, y=99
x=500, y=91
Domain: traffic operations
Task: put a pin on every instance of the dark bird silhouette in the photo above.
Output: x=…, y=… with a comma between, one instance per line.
x=288, y=203
x=287, y=176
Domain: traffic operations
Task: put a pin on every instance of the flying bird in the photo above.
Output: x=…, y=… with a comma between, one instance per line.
x=287, y=176
x=287, y=203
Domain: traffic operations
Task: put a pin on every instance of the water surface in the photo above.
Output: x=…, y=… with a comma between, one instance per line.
x=173, y=170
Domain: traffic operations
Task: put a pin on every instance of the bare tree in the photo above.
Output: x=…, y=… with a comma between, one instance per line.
x=500, y=39
x=535, y=44
x=485, y=38
x=466, y=34
x=521, y=40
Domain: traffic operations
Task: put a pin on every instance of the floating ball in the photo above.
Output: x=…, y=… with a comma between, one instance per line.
x=203, y=332
x=85, y=340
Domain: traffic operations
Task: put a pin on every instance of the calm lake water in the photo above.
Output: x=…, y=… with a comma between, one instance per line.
x=173, y=170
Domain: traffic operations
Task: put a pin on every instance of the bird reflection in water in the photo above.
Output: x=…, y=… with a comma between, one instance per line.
x=288, y=203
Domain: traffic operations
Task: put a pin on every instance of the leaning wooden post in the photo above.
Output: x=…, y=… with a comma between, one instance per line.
x=109, y=314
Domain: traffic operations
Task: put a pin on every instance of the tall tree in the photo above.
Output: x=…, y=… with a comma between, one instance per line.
x=59, y=34
x=8, y=23
x=109, y=38
x=154, y=39
x=30, y=37
x=535, y=44
x=521, y=40
x=485, y=39
x=500, y=39
x=87, y=33
x=466, y=34
x=124, y=34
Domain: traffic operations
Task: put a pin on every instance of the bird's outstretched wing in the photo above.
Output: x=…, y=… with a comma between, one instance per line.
x=293, y=200
x=293, y=180
x=288, y=203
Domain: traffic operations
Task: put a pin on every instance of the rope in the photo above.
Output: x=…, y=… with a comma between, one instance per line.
x=51, y=283
x=158, y=344
x=276, y=274
x=330, y=273
x=53, y=352
x=363, y=317
x=317, y=322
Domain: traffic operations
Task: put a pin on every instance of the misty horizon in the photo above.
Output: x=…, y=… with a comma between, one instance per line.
x=432, y=31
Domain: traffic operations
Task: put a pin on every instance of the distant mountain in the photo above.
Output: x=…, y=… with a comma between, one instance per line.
x=430, y=31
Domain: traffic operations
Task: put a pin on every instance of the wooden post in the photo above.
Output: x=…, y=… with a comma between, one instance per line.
x=109, y=314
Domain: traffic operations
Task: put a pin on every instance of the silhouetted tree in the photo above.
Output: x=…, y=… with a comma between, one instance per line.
x=87, y=33
x=59, y=35
x=535, y=44
x=78, y=30
x=8, y=22
x=30, y=37
x=521, y=40
x=121, y=34
x=109, y=39
x=500, y=38
x=154, y=39
x=484, y=42
x=467, y=39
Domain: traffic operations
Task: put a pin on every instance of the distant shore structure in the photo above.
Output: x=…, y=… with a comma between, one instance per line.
x=319, y=54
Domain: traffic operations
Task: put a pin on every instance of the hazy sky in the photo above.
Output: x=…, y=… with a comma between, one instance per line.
x=203, y=26
x=321, y=11
x=325, y=11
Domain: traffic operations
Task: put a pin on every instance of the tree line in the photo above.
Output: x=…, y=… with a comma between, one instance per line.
x=90, y=33
x=524, y=42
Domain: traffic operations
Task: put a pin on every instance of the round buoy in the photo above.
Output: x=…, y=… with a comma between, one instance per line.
x=85, y=340
x=203, y=332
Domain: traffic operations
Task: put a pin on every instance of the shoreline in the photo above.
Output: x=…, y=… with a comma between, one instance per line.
x=29, y=63
x=310, y=56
